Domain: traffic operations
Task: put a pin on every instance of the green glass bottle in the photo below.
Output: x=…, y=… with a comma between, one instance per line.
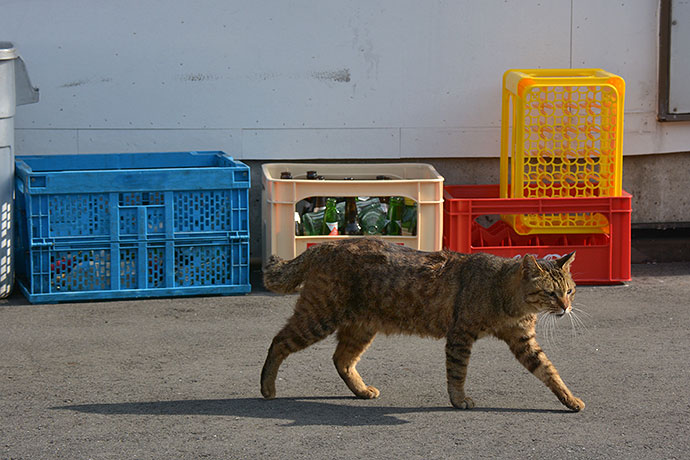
x=330, y=218
x=395, y=209
x=409, y=218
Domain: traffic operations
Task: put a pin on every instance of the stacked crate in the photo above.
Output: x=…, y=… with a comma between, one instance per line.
x=131, y=225
x=561, y=176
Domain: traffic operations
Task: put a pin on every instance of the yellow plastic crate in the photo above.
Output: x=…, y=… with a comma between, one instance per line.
x=561, y=136
x=418, y=181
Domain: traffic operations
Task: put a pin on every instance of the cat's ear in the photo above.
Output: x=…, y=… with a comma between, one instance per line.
x=565, y=261
x=530, y=267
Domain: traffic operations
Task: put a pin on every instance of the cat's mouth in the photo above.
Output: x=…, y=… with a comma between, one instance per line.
x=562, y=312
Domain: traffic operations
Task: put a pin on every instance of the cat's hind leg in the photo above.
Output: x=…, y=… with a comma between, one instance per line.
x=304, y=328
x=352, y=343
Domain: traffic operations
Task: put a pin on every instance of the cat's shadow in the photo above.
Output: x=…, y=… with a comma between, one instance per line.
x=294, y=411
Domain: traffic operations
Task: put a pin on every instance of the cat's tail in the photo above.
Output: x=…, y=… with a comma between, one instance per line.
x=284, y=276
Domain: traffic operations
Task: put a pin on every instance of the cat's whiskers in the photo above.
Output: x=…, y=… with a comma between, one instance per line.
x=541, y=322
x=577, y=325
x=573, y=332
x=581, y=311
x=578, y=313
x=547, y=324
x=554, y=329
x=578, y=321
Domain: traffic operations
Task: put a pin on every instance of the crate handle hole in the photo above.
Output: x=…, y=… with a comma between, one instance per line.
x=38, y=181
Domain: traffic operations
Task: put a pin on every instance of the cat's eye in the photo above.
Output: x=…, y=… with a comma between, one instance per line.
x=570, y=292
x=553, y=294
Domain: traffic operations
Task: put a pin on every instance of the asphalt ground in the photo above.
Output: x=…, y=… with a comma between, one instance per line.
x=179, y=378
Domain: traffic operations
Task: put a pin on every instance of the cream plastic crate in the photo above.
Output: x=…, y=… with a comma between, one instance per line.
x=417, y=181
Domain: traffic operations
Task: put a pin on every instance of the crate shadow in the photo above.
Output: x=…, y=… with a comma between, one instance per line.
x=15, y=298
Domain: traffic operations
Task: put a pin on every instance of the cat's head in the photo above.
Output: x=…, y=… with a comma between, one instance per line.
x=548, y=285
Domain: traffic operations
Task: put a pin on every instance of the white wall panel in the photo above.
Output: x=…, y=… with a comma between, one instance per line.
x=46, y=141
x=67, y=141
x=264, y=144
x=621, y=37
x=311, y=79
x=450, y=142
x=169, y=140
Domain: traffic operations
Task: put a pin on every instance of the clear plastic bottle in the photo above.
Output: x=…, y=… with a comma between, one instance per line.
x=373, y=219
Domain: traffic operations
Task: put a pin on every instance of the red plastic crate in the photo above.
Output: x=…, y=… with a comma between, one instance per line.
x=602, y=258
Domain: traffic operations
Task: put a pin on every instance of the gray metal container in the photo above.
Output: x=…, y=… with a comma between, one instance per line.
x=15, y=89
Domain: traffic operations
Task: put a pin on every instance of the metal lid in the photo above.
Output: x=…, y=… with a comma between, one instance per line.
x=7, y=51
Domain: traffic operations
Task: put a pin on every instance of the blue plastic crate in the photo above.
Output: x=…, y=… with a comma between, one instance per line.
x=86, y=271
x=131, y=225
x=132, y=197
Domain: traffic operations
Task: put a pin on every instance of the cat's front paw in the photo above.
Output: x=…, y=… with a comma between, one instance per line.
x=464, y=403
x=575, y=404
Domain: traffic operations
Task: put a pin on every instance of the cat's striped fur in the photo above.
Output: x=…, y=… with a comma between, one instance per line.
x=361, y=286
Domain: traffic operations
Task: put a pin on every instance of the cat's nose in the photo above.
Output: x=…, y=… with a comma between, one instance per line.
x=565, y=306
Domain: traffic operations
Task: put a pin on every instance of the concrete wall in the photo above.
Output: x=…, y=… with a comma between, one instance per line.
x=659, y=185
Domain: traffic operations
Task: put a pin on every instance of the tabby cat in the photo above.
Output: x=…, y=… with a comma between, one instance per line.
x=362, y=286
